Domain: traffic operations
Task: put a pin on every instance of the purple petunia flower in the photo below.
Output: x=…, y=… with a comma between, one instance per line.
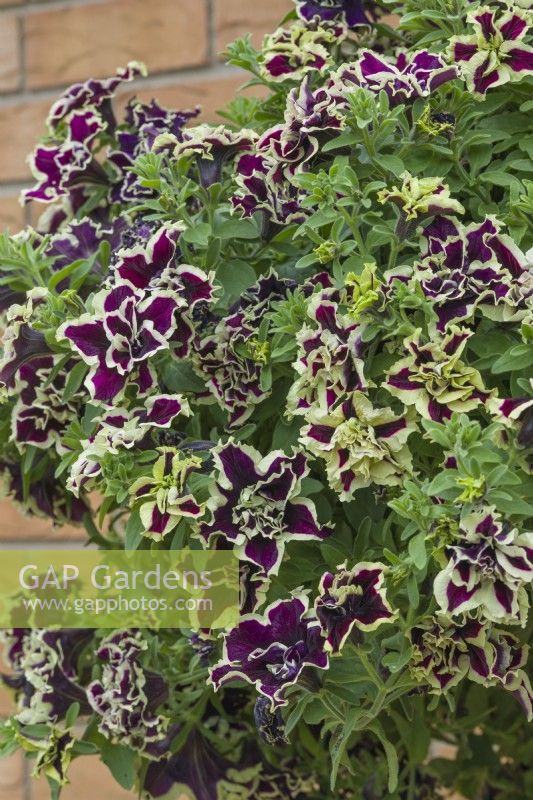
x=93, y=93
x=122, y=428
x=351, y=12
x=81, y=239
x=46, y=497
x=444, y=653
x=59, y=166
x=208, y=773
x=126, y=696
x=291, y=53
x=352, y=597
x=329, y=363
x=41, y=415
x=211, y=146
x=404, y=79
x=271, y=651
x=494, y=53
x=127, y=328
x=257, y=505
x=143, y=123
x=466, y=266
x=312, y=117
x=262, y=187
x=152, y=266
x=45, y=678
x=231, y=358
x=488, y=570
x=21, y=343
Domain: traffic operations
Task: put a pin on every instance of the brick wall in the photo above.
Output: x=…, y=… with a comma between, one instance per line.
x=44, y=46
x=47, y=44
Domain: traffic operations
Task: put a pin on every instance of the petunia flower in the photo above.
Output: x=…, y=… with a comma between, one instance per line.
x=360, y=444
x=152, y=266
x=41, y=415
x=272, y=650
x=122, y=428
x=404, y=78
x=418, y=198
x=434, y=379
x=162, y=499
x=515, y=413
x=350, y=12
x=45, y=497
x=81, y=239
x=257, y=505
x=143, y=124
x=45, y=678
x=312, y=117
x=117, y=340
x=329, y=363
x=92, y=94
x=229, y=359
x=211, y=146
x=262, y=187
x=352, y=597
x=20, y=341
x=488, y=570
x=53, y=755
x=445, y=652
x=66, y=162
x=127, y=696
x=494, y=53
x=206, y=772
x=464, y=267
x=291, y=53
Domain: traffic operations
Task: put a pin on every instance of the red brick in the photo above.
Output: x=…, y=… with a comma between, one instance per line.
x=21, y=124
x=15, y=527
x=7, y=704
x=70, y=44
x=11, y=214
x=234, y=18
x=9, y=53
x=89, y=779
x=11, y=778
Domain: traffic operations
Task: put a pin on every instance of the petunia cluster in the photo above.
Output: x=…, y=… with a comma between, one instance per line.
x=301, y=333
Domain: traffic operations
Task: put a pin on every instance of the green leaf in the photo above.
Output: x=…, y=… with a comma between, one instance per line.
x=180, y=377
x=72, y=715
x=198, y=235
x=55, y=788
x=499, y=178
x=392, y=163
x=390, y=753
x=235, y=276
x=234, y=228
x=296, y=714
x=74, y=380
x=339, y=741
x=134, y=532
x=515, y=359
x=417, y=550
x=120, y=760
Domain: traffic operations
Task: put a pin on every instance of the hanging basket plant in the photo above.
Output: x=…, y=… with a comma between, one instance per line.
x=303, y=336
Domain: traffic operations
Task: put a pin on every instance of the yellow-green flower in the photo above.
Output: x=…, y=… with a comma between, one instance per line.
x=421, y=197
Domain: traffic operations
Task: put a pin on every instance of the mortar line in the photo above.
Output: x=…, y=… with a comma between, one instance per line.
x=162, y=79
